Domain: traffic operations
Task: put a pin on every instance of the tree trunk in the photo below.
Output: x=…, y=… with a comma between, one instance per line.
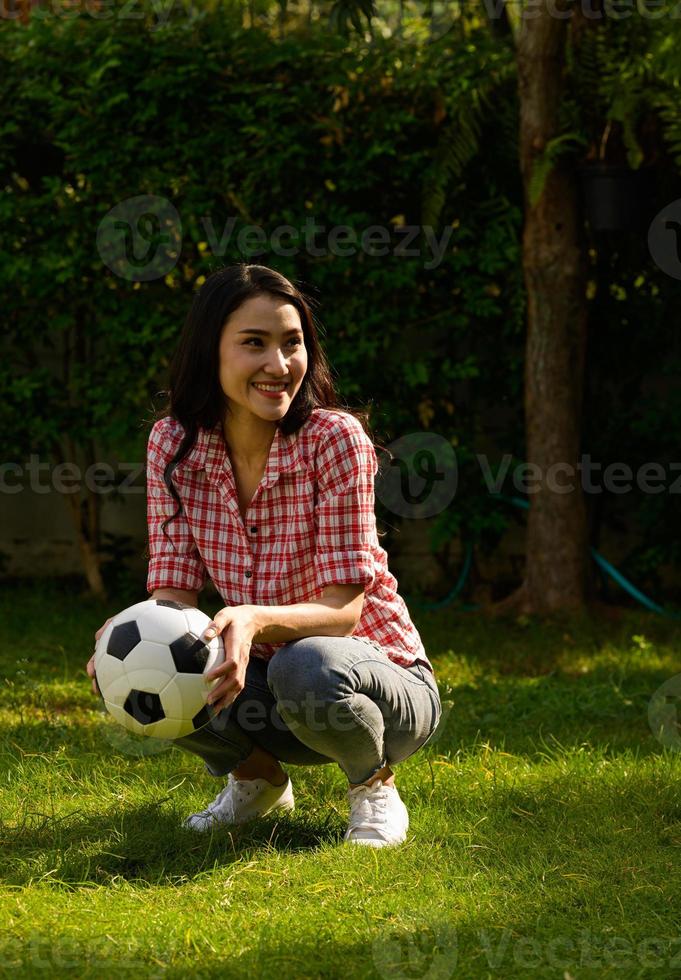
x=85, y=515
x=555, y=280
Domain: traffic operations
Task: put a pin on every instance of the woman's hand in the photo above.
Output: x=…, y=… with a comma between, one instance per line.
x=90, y=666
x=236, y=625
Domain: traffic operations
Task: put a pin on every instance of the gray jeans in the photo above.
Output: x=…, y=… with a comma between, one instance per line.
x=324, y=699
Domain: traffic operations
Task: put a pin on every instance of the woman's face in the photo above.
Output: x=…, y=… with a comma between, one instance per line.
x=262, y=341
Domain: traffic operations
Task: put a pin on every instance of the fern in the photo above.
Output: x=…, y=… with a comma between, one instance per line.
x=616, y=73
x=620, y=72
x=350, y=12
x=667, y=96
x=459, y=142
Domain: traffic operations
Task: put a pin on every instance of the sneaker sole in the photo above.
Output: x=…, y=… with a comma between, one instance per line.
x=369, y=842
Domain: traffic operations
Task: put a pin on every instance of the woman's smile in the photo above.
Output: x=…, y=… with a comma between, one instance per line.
x=270, y=391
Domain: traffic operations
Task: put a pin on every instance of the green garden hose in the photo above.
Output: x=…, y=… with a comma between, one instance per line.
x=602, y=563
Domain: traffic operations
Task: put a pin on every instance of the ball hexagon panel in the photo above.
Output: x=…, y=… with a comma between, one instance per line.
x=107, y=668
x=184, y=695
x=169, y=728
x=152, y=681
x=132, y=612
x=163, y=624
x=149, y=655
x=197, y=621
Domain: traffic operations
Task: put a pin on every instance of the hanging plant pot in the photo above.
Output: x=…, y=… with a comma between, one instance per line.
x=615, y=197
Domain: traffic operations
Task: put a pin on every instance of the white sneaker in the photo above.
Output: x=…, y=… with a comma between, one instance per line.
x=242, y=800
x=378, y=817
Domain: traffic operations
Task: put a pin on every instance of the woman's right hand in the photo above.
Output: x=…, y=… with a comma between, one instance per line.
x=90, y=666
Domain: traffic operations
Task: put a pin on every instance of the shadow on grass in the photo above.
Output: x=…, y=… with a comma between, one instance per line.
x=419, y=946
x=146, y=844
x=387, y=953
x=485, y=826
x=596, y=845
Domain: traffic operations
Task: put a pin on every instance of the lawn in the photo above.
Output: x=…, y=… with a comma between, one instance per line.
x=544, y=841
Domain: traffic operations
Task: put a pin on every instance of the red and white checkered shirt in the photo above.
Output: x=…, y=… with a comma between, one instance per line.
x=310, y=524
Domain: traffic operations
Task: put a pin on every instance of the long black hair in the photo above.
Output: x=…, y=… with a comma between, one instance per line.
x=195, y=397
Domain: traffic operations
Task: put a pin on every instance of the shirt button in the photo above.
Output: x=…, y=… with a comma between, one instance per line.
x=248, y=573
x=254, y=530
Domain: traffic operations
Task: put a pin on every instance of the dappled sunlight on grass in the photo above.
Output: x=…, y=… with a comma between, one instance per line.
x=543, y=807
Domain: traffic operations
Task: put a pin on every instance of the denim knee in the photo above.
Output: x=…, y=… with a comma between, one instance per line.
x=301, y=670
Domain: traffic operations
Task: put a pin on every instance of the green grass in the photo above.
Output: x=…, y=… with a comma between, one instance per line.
x=544, y=841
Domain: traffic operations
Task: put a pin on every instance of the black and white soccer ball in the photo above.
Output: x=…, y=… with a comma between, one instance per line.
x=150, y=664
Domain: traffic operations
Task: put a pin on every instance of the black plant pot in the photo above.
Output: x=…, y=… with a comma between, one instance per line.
x=615, y=197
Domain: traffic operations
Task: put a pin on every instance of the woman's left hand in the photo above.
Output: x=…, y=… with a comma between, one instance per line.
x=236, y=625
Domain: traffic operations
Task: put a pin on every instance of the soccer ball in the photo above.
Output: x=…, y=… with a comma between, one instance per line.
x=150, y=664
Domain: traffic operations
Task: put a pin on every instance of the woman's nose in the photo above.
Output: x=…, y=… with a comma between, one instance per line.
x=277, y=363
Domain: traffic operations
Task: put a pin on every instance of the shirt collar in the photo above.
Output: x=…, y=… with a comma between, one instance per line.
x=210, y=453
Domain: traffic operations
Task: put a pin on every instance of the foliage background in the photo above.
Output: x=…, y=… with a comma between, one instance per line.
x=226, y=122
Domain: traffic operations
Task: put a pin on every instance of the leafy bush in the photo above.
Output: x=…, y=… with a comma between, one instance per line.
x=227, y=123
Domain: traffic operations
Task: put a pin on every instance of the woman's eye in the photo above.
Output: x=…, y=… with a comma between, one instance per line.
x=257, y=340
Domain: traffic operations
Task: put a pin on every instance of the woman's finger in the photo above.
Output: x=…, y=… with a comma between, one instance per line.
x=220, y=690
x=227, y=699
x=228, y=688
x=213, y=629
x=90, y=670
x=226, y=667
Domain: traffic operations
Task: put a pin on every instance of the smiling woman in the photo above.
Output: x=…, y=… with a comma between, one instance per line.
x=262, y=347
x=271, y=493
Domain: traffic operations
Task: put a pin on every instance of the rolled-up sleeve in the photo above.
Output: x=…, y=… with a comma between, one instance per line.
x=345, y=523
x=174, y=559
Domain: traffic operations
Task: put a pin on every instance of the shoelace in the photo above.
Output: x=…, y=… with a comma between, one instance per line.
x=367, y=807
x=226, y=795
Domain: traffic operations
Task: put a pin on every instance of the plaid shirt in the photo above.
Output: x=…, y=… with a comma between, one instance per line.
x=310, y=524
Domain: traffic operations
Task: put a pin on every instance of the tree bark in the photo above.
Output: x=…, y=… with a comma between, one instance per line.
x=555, y=280
x=85, y=516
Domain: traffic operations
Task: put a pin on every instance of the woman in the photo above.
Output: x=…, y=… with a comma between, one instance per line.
x=257, y=478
